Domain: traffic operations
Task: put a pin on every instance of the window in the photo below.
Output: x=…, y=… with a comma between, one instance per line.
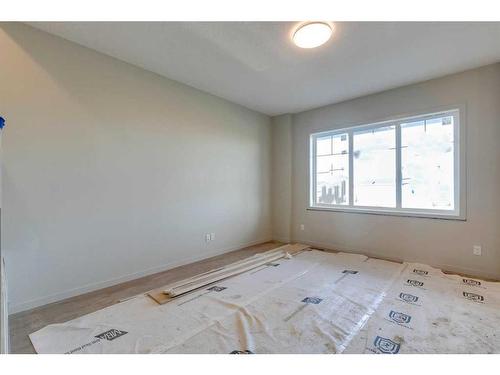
x=408, y=166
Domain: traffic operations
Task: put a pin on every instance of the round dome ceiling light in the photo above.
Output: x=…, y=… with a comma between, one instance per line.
x=312, y=35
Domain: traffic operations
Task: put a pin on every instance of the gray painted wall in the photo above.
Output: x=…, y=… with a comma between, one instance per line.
x=282, y=177
x=111, y=172
x=444, y=243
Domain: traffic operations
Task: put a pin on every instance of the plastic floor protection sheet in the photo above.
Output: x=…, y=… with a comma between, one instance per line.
x=316, y=302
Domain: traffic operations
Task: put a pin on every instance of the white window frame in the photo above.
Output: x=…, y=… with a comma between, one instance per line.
x=459, y=212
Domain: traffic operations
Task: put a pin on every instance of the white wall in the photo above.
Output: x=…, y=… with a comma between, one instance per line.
x=111, y=172
x=444, y=243
x=281, y=177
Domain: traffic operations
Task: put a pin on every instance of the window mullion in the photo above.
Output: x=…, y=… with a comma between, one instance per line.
x=351, y=172
x=313, y=168
x=399, y=177
x=457, y=178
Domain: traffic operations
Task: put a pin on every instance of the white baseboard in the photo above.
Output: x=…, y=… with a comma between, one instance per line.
x=4, y=312
x=28, y=305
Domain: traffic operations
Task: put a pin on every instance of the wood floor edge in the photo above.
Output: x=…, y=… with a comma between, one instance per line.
x=133, y=281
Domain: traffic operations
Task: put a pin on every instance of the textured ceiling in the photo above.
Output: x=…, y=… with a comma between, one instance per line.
x=256, y=65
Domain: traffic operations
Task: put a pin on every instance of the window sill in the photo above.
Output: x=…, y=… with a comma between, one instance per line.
x=389, y=212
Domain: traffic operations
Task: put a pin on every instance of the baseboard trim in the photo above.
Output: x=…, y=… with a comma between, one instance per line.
x=38, y=302
x=28, y=305
x=4, y=313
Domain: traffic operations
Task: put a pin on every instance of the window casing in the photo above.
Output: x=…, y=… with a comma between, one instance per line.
x=408, y=166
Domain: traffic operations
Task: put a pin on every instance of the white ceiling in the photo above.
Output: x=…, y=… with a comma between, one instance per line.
x=256, y=65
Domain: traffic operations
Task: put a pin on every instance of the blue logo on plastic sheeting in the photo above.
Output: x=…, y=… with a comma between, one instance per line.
x=408, y=297
x=471, y=282
x=420, y=272
x=473, y=297
x=217, y=288
x=415, y=282
x=386, y=346
x=313, y=300
x=399, y=317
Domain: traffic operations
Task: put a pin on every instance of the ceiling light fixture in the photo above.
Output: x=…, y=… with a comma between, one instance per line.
x=312, y=35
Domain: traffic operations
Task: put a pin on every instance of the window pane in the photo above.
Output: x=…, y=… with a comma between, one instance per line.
x=374, y=167
x=427, y=164
x=332, y=170
x=324, y=145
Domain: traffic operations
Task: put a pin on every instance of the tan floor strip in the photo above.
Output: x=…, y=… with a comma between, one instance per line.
x=165, y=294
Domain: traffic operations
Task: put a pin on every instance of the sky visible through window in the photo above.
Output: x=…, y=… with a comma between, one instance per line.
x=427, y=151
x=375, y=167
x=427, y=166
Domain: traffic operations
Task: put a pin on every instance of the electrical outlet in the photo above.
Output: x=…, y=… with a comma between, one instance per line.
x=207, y=237
x=476, y=250
x=212, y=236
x=302, y=227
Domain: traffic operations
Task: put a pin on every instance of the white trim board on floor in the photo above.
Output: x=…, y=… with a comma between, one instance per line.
x=28, y=305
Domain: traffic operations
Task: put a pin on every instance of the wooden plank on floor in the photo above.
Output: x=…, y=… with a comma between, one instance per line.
x=161, y=297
